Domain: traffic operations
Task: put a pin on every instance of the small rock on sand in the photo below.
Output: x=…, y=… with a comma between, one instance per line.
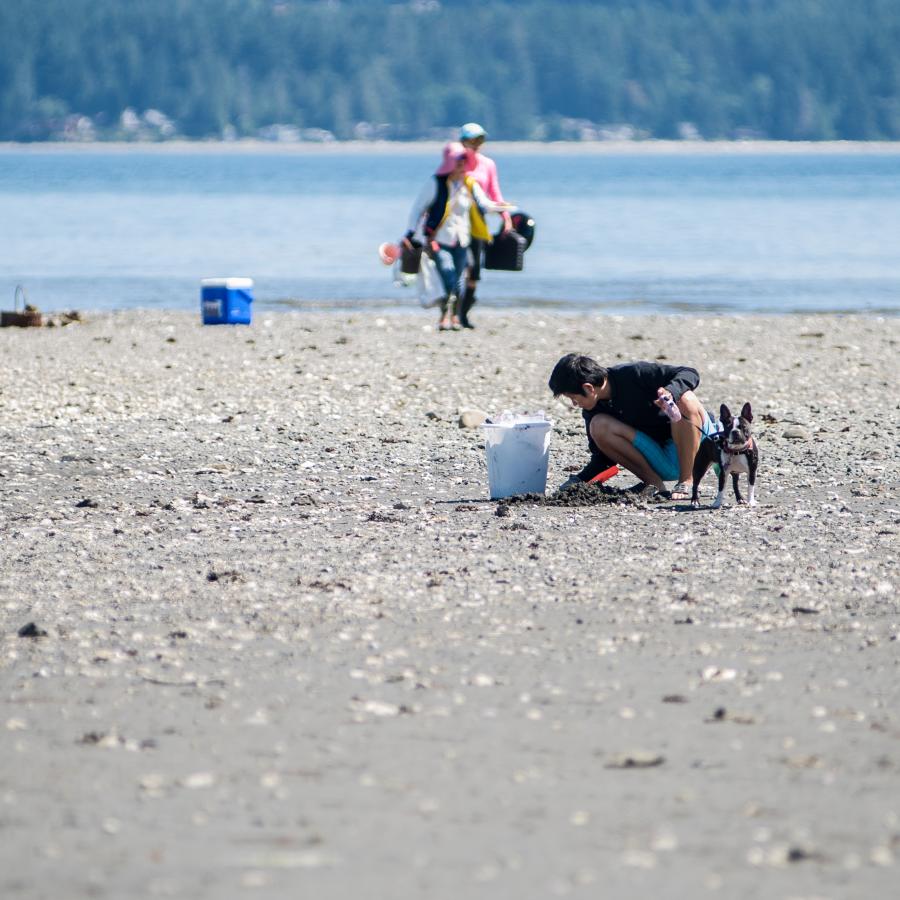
x=471, y=418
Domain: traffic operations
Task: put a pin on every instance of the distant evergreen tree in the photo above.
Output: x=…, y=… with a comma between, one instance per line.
x=404, y=69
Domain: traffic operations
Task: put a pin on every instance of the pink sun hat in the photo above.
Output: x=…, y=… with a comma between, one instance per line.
x=453, y=152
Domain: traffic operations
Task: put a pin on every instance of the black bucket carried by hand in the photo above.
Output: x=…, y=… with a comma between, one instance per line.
x=410, y=259
x=507, y=250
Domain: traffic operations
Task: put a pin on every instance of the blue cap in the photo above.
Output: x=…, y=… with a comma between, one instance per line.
x=470, y=131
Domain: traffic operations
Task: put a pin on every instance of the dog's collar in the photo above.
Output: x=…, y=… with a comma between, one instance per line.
x=737, y=451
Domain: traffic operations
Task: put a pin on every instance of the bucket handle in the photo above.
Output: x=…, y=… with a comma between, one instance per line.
x=20, y=292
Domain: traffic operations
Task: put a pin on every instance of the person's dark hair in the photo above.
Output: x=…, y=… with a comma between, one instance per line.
x=574, y=370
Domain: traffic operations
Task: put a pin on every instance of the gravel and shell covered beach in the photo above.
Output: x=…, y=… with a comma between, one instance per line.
x=264, y=635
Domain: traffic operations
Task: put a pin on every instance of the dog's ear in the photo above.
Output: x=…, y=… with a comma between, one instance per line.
x=724, y=413
x=747, y=413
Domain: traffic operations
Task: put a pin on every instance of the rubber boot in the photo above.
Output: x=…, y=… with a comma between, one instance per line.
x=467, y=301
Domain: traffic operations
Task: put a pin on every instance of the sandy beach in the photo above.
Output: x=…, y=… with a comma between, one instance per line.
x=283, y=645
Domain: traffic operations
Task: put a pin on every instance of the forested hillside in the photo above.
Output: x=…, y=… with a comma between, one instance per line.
x=526, y=69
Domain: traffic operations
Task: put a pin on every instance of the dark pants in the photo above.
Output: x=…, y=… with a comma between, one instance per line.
x=476, y=252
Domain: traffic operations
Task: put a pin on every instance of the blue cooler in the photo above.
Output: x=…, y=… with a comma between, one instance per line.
x=226, y=301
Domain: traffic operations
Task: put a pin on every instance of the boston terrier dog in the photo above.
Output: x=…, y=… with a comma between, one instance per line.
x=734, y=450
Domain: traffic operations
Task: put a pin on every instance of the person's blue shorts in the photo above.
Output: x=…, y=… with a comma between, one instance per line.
x=663, y=458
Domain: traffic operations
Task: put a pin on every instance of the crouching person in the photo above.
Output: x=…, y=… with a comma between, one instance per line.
x=623, y=409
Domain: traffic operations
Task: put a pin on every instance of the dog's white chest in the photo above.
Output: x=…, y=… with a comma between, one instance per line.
x=735, y=463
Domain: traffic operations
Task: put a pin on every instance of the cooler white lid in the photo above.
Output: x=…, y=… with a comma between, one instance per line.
x=231, y=284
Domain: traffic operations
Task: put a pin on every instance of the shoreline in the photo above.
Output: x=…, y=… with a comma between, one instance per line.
x=511, y=148
x=515, y=310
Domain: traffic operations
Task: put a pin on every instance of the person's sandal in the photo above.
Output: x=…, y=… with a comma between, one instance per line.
x=681, y=491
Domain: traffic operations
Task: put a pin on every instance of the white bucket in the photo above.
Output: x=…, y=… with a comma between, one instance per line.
x=518, y=450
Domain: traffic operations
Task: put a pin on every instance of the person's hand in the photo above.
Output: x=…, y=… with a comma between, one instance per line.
x=666, y=402
x=662, y=395
x=569, y=483
x=507, y=223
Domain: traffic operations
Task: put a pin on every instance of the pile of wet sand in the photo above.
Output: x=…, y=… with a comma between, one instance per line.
x=584, y=494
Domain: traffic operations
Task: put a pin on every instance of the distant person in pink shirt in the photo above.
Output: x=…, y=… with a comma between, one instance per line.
x=484, y=170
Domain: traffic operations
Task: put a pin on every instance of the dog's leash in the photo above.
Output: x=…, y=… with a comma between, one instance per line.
x=718, y=437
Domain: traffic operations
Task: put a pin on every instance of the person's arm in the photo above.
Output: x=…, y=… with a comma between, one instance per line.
x=422, y=202
x=492, y=181
x=676, y=380
x=485, y=202
x=682, y=379
x=599, y=461
x=492, y=189
x=664, y=382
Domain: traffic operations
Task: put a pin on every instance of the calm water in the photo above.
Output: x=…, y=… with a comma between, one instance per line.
x=731, y=232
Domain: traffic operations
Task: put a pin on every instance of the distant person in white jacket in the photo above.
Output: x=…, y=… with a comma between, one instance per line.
x=447, y=215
